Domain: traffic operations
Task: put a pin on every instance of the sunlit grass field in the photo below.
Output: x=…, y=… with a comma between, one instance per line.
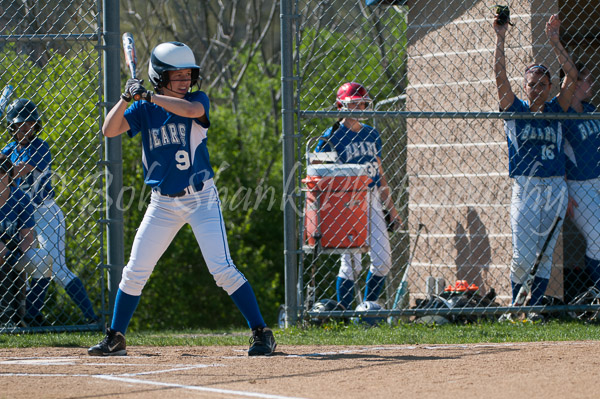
x=332, y=334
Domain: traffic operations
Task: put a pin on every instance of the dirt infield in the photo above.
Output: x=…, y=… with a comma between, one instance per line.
x=512, y=370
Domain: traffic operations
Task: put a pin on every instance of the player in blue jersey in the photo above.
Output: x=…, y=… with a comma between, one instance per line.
x=33, y=171
x=173, y=124
x=536, y=159
x=18, y=255
x=583, y=171
x=359, y=143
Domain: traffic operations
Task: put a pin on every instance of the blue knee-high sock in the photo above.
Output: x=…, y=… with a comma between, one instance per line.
x=592, y=266
x=125, y=305
x=373, y=286
x=515, y=290
x=345, y=292
x=538, y=289
x=36, y=296
x=245, y=300
x=79, y=295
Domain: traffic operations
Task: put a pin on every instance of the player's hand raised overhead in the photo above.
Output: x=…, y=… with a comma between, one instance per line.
x=500, y=27
x=553, y=29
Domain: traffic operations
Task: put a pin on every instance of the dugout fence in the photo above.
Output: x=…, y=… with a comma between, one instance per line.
x=59, y=54
x=429, y=67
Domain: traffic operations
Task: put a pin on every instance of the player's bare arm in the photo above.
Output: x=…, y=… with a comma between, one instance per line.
x=569, y=84
x=27, y=239
x=115, y=123
x=179, y=106
x=505, y=93
x=22, y=169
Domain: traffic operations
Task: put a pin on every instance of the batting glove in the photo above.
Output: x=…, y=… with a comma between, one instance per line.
x=139, y=92
x=126, y=96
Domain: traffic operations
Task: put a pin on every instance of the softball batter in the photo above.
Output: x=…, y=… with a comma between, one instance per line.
x=359, y=143
x=536, y=159
x=173, y=124
x=583, y=171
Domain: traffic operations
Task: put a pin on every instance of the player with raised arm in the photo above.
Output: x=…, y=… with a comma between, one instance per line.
x=536, y=159
x=583, y=171
x=173, y=124
x=32, y=173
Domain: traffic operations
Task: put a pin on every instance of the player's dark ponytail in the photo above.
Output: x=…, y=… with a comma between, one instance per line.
x=336, y=125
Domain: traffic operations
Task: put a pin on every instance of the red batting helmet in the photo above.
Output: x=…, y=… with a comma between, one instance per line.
x=352, y=92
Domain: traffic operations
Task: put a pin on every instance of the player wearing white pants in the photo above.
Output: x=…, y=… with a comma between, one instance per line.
x=173, y=125
x=536, y=203
x=33, y=170
x=380, y=251
x=583, y=171
x=50, y=230
x=536, y=158
x=358, y=143
x=163, y=219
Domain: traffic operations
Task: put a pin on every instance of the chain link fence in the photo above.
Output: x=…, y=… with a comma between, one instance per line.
x=50, y=53
x=429, y=67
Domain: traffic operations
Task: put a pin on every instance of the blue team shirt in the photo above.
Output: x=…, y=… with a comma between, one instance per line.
x=15, y=215
x=37, y=154
x=582, y=140
x=174, y=151
x=363, y=147
x=535, y=146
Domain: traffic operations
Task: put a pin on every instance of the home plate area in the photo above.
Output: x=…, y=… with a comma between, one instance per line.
x=390, y=371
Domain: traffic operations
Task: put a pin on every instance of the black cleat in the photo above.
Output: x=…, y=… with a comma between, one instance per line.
x=262, y=342
x=112, y=345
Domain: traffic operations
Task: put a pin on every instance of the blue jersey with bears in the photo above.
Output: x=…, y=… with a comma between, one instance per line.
x=174, y=151
x=582, y=140
x=363, y=147
x=37, y=154
x=535, y=146
x=15, y=215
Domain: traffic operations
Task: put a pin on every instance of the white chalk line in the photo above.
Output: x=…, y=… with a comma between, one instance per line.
x=126, y=377
x=73, y=361
x=197, y=366
x=195, y=388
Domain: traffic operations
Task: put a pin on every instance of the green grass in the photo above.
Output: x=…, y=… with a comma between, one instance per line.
x=332, y=334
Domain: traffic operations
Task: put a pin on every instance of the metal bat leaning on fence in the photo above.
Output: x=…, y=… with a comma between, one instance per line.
x=526, y=287
x=5, y=98
x=402, y=291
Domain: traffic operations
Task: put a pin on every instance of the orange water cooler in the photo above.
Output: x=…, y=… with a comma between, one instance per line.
x=337, y=206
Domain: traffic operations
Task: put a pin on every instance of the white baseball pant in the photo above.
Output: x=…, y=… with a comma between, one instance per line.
x=587, y=214
x=536, y=202
x=164, y=217
x=380, y=250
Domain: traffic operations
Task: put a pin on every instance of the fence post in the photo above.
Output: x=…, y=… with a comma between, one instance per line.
x=113, y=152
x=287, y=112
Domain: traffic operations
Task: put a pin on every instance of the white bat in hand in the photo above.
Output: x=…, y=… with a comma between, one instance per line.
x=130, y=56
x=5, y=98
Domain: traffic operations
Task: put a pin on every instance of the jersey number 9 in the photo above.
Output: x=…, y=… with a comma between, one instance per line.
x=183, y=160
